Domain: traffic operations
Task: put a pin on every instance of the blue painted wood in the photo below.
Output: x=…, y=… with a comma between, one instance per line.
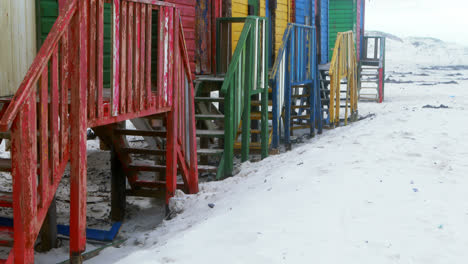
x=289, y=73
x=299, y=47
x=323, y=31
x=93, y=234
x=300, y=12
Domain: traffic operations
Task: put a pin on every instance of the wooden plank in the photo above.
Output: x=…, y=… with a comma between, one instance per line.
x=92, y=60
x=123, y=57
x=136, y=55
x=78, y=168
x=65, y=86
x=24, y=171
x=161, y=59
x=169, y=89
x=148, y=56
x=142, y=56
x=43, y=137
x=54, y=119
x=116, y=58
x=130, y=58
x=100, y=58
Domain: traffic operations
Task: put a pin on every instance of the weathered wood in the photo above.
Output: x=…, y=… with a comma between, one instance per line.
x=142, y=86
x=78, y=120
x=92, y=59
x=54, y=120
x=116, y=57
x=148, y=56
x=130, y=28
x=136, y=56
x=123, y=58
x=24, y=169
x=100, y=57
x=43, y=138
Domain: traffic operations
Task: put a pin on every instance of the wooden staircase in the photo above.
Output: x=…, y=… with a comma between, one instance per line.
x=63, y=94
x=6, y=205
x=371, y=70
x=369, y=83
x=210, y=125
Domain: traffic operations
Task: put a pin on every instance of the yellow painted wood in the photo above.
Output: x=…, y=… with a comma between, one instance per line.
x=281, y=21
x=239, y=9
x=262, y=8
x=17, y=42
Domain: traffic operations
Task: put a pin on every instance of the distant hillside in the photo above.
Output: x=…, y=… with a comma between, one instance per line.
x=421, y=50
x=383, y=34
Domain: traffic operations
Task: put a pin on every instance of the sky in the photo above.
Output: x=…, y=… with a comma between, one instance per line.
x=443, y=19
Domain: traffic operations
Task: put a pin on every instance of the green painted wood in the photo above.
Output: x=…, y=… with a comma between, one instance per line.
x=341, y=17
x=47, y=12
x=237, y=89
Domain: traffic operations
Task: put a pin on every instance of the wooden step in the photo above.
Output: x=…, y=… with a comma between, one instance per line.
x=207, y=168
x=156, y=152
x=210, y=152
x=209, y=99
x=210, y=133
x=146, y=167
x=300, y=117
x=6, y=236
x=5, y=165
x=299, y=95
x=209, y=78
x=252, y=145
x=252, y=131
x=300, y=106
x=258, y=115
x=143, y=133
x=6, y=199
x=208, y=117
x=148, y=193
x=300, y=127
x=259, y=103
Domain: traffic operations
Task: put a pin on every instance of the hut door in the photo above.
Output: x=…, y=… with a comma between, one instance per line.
x=206, y=12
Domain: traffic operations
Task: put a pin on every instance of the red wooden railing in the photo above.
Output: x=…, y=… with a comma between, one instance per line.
x=63, y=94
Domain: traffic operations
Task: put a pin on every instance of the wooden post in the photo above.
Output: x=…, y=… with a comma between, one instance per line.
x=171, y=152
x=118, y=187
x=24, y=171
x=49, y=229
x=78, y=120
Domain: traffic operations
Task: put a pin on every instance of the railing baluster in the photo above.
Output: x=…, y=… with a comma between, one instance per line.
x=43, y=136
x=24, y=171
x=115, y=58
x=54, y=118
x=123, y=57
x=142, y=56
x=161, y=60
x=136, y=69
x=100, y=58
x=149, y=95
x=130, y=58
x=64, y=81
x=169, y=92
x=92, y=60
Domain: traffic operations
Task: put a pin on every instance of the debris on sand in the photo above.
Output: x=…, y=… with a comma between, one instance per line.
x=435, y=106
